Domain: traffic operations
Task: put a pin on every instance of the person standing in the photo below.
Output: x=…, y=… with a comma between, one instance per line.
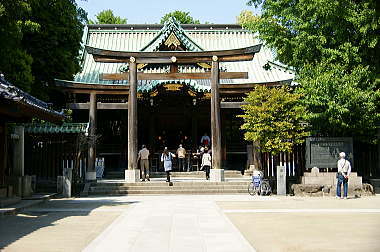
x=205, y=140
x=143, y=156
x=206, y=163
x=167, y=158
x=181, y=154
x=344, y=170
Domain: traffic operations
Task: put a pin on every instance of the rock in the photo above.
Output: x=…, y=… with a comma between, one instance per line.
x=326, y=189
x=314, y=171
x=368, y=188
x=307, y=190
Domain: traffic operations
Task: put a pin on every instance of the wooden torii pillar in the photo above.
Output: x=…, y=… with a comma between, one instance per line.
x=215, y=116
x=132, y=174
x=174, y=57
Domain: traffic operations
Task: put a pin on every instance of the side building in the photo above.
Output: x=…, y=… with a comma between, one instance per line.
x=17, y=106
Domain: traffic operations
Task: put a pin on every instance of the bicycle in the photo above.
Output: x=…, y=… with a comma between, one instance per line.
x=258, y=185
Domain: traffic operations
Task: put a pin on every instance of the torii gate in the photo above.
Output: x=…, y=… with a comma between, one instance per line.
x=173, y=58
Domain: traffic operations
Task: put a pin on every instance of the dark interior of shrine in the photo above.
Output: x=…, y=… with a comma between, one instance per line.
x=166, y=119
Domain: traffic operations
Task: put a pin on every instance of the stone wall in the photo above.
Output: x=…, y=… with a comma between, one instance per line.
x=317, y=183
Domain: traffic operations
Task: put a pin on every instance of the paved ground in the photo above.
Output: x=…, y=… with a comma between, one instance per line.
x=195, y=223
x=308, y=224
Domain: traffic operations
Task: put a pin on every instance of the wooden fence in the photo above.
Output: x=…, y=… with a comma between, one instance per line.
x=294, y=162
x=46, y=155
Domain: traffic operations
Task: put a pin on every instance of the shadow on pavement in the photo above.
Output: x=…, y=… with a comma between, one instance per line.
x=13, y=228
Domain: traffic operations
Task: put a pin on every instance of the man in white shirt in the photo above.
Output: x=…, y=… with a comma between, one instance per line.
x=344, y=170
x=181, y=154
x=144, y=163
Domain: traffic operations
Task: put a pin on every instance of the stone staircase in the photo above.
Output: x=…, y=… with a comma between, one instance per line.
x=192, y=174
x=161, y=187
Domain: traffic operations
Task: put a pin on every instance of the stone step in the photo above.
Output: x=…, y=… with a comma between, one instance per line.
x=99, y=188
x=196, y=174
x=170, y=191
x=161, y=187
x=151, y=183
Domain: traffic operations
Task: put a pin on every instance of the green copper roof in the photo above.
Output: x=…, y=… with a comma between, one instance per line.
x=193, y=37
x=48, y=128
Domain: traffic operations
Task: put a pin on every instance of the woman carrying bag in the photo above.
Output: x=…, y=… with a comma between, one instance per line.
x=167, y=158
x=206, y=163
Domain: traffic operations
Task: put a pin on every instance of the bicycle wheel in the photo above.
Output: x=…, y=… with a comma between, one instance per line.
x=252, y=190
x=265, y=188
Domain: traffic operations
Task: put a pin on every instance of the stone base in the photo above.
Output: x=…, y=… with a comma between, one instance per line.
x=329, y=178
x=318, y=190
x=216, y=175
x=91, y=176
x=132, y=176
x=66, y=192
x=26, y=186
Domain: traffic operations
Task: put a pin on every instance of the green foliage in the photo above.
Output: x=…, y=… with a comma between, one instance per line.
x=333, y=46
x=272, y=118
x=181, y=16
x=15, y=62
x=40, y=41
x=107, y=17
x=55, y=48
x=245, y=17
x=311, y=31
x=341, y=103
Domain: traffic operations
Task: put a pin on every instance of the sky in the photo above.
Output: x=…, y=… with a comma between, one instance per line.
x=151, y=11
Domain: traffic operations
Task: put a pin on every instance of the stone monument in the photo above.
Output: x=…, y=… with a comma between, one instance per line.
x=281, y=180
x=323, y=152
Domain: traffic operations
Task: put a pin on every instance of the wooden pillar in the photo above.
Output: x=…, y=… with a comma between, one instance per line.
x=132, y=115
x=215, y=115
x=91, y=173
x=18, y=152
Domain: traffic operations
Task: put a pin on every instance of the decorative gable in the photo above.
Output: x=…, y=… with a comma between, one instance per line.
x=173, y=36
x=172, y=42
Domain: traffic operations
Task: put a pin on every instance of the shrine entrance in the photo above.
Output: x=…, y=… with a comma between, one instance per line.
x=174, y=115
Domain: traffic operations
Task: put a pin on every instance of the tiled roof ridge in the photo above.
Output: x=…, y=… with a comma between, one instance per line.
x=171, y=26
x=11, y=92
x=49, y=128
x=160, y=26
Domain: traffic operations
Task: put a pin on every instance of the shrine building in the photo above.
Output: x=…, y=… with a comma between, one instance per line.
x=165, y=85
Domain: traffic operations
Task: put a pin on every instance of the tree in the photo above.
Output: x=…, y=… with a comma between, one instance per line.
x=107, y=17
x=245, y=17
x=15, y=61
x=273, y=119
x=333, y=46
x=341, y=103
x=181, y=16
x=55, y=47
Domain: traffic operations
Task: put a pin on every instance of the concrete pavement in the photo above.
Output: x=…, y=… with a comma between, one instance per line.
x=195, y=223
x=308, y=224
x=172, y=223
